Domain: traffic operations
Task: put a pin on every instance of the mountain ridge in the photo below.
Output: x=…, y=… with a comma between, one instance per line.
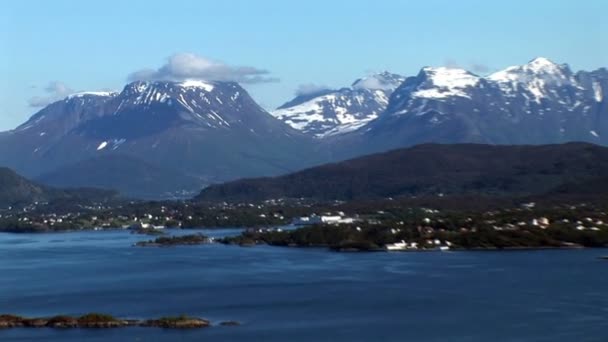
x=537, y=103
x=430, y=169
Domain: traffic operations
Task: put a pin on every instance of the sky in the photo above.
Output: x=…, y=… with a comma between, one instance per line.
x=49, y=49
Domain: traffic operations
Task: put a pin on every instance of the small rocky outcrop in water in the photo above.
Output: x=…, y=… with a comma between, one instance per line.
x=96, y=320
x=177, y=322
x=166, y=241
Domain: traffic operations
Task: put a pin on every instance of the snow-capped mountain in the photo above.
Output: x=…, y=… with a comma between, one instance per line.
x=213, y=131
x=329, y=112
x=536, y=103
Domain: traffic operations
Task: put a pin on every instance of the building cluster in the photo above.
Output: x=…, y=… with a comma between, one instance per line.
x=329, y=218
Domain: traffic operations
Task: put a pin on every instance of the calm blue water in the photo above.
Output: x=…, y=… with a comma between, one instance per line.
x=285, y=294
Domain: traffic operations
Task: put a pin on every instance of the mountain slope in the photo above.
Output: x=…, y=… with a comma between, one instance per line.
x=329, y=112
x=537, y=103
x=17, y=190
x=135, y=178
x=430, y=170
x=212, y=131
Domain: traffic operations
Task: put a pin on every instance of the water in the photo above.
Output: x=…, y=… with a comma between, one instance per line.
x=293, y=294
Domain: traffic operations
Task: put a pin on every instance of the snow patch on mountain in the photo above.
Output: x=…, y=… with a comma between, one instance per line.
x=597, y=92
x=445, y=82
x=208, y=87
x=92, y=93
x=304, y=114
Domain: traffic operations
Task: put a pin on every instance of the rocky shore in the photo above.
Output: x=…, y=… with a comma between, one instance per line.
x=101, y=321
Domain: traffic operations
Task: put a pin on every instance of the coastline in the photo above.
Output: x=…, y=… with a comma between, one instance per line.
x=187, y=240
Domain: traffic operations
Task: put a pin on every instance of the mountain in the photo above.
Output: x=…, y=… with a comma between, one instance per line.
x=17, y=190
x=174, y=137
x=328, y=112
x=209, y=131
x=432, y=169
x=537, y=103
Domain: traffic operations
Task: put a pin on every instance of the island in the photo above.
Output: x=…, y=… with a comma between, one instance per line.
x=168, y=241
x=97, y=320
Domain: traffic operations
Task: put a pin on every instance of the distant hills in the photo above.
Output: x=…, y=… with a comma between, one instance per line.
x=435, y=169
x=166, y=139
x=17, y=190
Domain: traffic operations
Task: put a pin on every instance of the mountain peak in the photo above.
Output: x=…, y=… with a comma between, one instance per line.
x=329, y=112
x=538, y=66
x=542, y=60
x=385, y=80
x=542, y=65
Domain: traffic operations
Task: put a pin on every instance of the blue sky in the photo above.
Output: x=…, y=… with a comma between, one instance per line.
x=93, y=45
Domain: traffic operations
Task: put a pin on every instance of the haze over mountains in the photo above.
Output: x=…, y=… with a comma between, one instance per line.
x=163, y=139
x=17, y=190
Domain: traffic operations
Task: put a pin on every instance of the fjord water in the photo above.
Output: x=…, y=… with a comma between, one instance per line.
x=296, y=294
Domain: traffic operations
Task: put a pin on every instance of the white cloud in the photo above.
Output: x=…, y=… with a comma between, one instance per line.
x=480, y=68
x=190, y=66
x=309, y=89
x=55, y=91
x=374, y=83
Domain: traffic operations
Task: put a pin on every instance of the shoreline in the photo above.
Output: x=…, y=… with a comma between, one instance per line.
x=452, y=249
x=62, y=231
x=150, y=243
